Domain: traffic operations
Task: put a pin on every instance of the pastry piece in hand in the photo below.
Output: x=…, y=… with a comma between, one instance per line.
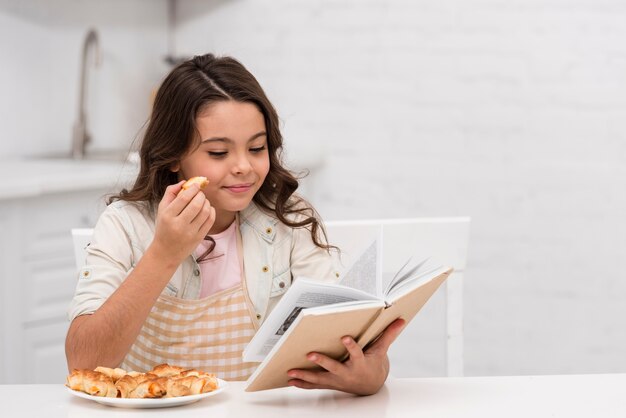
x=115, y=374
x=92, y=382
x=200, y=181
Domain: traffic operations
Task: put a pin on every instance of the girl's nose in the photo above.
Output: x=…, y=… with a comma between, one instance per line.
x=242, y=166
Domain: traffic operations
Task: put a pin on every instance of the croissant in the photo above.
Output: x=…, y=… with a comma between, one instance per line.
x=173, y=388
x=209, y=380
x=125, y=386
x=92, y=382
x=115, y=374
x=148, y=389
x=143, y=377
x=165, y=370
x=162, y=381
x=194, y=372
x=197, y=385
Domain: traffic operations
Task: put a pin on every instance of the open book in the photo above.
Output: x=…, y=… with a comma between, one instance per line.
x=313, y=316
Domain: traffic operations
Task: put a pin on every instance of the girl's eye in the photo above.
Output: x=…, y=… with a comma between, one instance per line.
x=217, y=153
x=257, y=149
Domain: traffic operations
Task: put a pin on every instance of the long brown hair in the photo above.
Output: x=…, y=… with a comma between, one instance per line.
x=171, y=133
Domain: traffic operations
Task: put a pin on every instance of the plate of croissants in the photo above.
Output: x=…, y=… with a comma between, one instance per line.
x=161, y=387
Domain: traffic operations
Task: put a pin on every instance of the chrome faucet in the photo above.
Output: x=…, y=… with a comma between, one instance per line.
x=81, y=135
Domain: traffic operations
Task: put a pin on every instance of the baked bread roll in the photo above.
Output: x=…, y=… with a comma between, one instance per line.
x=92, y=382
x=125, y=386
x=149, y=389
x=162, y=381
x=114, y=374
x=200, y=181
x=194, y=372
x=165, y=370
x=197, y=385
x=142, y=377
x=209, y=380
x=173, y=388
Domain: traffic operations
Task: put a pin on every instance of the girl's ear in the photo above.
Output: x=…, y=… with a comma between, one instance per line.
x=175, y=167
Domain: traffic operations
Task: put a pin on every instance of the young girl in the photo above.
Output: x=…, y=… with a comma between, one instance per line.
x=186, y=276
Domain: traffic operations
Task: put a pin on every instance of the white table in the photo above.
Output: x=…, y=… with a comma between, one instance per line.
x=519, y=396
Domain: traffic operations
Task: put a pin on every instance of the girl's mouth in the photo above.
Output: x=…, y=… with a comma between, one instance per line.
x=239, y=188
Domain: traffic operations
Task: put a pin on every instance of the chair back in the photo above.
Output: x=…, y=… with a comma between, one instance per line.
x=432, y=344
x=81, y=238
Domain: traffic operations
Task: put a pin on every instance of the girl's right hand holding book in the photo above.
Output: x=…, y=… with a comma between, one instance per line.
x=184, y=218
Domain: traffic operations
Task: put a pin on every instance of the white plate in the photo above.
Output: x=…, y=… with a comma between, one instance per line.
x=151, y=403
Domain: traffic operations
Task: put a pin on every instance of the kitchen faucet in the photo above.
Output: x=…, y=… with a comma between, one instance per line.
x=81, y=135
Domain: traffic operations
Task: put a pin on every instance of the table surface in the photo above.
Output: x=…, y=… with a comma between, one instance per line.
x=602, y=395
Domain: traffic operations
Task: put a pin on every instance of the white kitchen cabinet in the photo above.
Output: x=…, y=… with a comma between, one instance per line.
x=37, y=269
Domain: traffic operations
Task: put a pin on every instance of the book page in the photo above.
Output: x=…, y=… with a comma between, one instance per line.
x=405, y=286
x=406, y=272
x=365, y=273
x=303, y=293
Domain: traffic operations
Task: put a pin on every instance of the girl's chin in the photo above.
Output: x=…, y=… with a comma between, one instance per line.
x=232, y=202
x=236, y=206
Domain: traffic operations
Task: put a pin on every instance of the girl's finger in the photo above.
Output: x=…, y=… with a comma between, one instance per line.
x=327, y=363
x=389, y=336
x=356, y=353
x=306, y=385
x=203, y=214
x=175, y=200
x=171, y=192
x=311, y=376
x=193, y=208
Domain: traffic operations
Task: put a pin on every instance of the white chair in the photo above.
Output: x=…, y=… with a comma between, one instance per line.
x=432, y=344
x=81, y=238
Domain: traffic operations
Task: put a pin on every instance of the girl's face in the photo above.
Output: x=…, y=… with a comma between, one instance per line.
x=232, y=155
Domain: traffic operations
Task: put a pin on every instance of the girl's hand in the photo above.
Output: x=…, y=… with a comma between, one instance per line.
x=363, y=373
x=184, y=218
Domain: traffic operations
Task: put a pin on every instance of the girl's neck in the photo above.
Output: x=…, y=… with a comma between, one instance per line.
x=222, y=221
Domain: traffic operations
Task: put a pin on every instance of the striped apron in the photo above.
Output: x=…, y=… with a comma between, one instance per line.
x=208, y=334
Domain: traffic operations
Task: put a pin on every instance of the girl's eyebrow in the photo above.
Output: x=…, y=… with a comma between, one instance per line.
x=226, y=139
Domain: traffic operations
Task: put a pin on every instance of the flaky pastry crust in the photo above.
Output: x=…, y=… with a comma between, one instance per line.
x=164, y=381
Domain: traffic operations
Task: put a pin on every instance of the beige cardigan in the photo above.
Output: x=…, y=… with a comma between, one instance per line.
x=273, y=255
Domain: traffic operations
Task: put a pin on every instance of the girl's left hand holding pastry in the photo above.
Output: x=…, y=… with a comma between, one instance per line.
x=363, y=373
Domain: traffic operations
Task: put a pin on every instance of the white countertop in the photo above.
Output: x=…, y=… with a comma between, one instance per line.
x=33, y=177
x=518, y=396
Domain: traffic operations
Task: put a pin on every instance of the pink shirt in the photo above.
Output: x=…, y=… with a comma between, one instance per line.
x=221, y=270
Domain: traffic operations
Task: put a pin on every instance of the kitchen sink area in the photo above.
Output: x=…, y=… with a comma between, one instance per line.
x=40, y=175
x=110, y=155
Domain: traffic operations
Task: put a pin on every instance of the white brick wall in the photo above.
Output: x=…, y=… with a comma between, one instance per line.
x=512, y=112
x=41, y=43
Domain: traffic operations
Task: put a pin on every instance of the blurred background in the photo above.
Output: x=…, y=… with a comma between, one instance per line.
x=512, y=112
